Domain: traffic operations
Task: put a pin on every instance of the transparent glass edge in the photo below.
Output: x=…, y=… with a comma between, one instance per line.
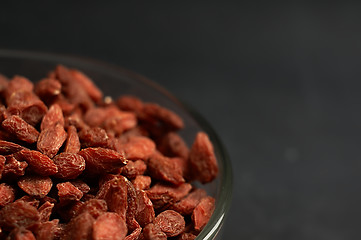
x=225, y=196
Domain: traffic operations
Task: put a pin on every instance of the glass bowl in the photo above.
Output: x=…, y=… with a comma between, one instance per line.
x=115, y=81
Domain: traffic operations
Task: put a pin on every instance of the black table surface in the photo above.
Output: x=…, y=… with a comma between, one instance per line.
x=279, y=82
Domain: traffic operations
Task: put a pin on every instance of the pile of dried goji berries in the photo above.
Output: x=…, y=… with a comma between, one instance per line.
x=76, y=165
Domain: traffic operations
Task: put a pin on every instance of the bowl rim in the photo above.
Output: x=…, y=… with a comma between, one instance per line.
x=223, y=202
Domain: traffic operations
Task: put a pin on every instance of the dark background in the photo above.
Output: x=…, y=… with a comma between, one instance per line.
x=279, y=82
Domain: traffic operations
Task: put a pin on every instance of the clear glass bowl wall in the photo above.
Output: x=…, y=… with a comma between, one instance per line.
x=115, y=81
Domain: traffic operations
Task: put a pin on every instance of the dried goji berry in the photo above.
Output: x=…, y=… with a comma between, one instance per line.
x=49, y=199
x=27, y=105
x=6, y=136
x=93, y=137
x=170, y=222
x=134, y=168
x=60, y=231
x=62, y=73
x=39, y=163
x=47, y=88
x=51, y=139
x=30, y=199
x=163, y=168
x=95, y=117
x=35, y=185
x=45, y=211
x=145, y=213
x=187, y=204
x=7, y=194
x=114, y=192
x=65, y=105
x=13, y=168
x=186, y=236
x=102, y=160
x=67, y=210
x=130, y=103
x=183, y=165
x=135, y=234
x=21, y=234
x=82, y=186
x=202, y=159
x=113, y=126
x=9, y=147
x=72, y=89
x=189, y=228
x=72, y=144
x=106, y=178
x=95, y=207
x=172, y=145
x=136, y=131
x=52, y=117
x=132, y=225
x=70, y=165
x=132, y=202
x=47, y=230
x=163, y=115
x=141, y=182
x=18, y=83
x=153, y=232
x=3, y=112
x=203, y=212
x=119, y=123
x=80, y=227
x=21, y=129
x=75, y=119
x=137, y=147
x=163, y=194
x=111, y=119
x=68, y=192
x=18, y=214
x=2, y=164
x=109, y=226
x=87, y=84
